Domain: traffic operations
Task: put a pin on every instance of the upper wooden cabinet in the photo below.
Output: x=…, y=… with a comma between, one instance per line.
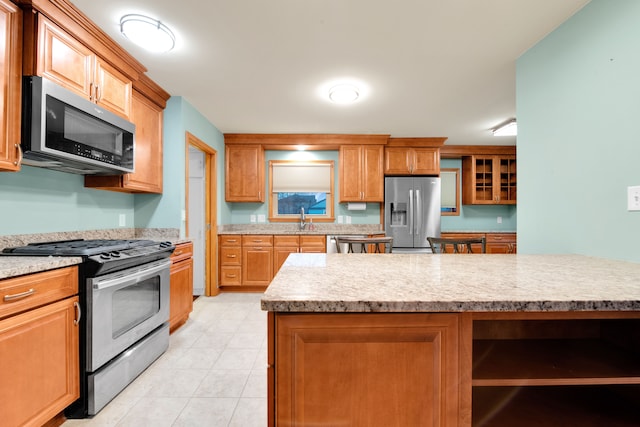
x=147, y=177
x=10, y=85
x=244, y=173
x=411, y=161
x=361, y=173
x=489, y=180
x=66, y=61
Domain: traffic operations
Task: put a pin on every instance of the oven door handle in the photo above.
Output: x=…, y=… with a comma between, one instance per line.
x=131, y=276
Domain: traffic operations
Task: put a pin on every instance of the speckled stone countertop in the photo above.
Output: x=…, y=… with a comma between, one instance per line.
x=452, y=283
x=288, y=228
x=11, y=266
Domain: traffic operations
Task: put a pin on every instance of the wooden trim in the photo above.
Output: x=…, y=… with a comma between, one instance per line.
x=310, y=141
x=457, y=151
x=458, y=195
x=211, y=241
x=151, y=90
x=417, y=142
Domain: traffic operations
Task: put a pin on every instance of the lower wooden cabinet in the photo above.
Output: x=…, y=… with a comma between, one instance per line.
x=257, y=260
x=283, y=245
x=496, y=243
x=364, y=369
x=39, y=351
x=181, y=294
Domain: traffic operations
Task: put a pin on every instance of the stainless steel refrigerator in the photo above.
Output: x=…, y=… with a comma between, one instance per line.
x=411, y=212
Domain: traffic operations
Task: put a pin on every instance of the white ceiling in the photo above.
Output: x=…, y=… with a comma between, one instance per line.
x=426, y=67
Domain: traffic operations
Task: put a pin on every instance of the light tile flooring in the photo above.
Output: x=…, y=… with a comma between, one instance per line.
x=213, y=374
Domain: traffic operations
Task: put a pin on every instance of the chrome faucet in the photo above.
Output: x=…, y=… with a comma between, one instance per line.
x=302, y=223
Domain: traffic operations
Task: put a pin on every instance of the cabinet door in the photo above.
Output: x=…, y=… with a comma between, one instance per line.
x=426, y=161
x=280, y=254
x=366, y=369
x=64, y=60
x=244, y=173
x=181, y=295
x=489, y=180
x=350, y=173
x=39, y=352
x=313, y=244
x=112, y=89
x=507, y=185
x=372, y=173
x=147, y=178
x=10, y=85
x=257, y=265
x=397, y=161
x=501, y=243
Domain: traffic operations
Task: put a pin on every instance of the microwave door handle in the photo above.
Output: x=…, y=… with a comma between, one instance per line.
x=410, y=211
x=129, y=278
x=418, y=212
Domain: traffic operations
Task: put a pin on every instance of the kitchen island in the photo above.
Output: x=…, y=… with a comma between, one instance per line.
x=455, y=340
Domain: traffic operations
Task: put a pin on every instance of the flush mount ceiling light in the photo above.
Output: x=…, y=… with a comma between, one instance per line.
x=147, y=33
x=509, y=128
x=343, y=94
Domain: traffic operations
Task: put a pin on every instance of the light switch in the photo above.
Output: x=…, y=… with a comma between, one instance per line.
x=262, y=218
x=633, y=198
x=252, y=219
x=499, y=220
x=122, y=220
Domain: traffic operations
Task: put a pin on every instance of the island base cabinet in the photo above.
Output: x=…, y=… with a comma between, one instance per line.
x=364, y=369
x=39, y=362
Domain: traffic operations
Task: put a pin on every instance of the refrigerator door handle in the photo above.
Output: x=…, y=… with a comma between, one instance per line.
x=418, y=212
x=410, y=211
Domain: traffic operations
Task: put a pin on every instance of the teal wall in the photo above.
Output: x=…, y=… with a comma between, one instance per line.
x=578, y=103
x=477, y=217
x=166, y=210
x=36, y=200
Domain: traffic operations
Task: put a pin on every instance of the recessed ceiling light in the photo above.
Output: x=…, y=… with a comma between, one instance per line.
x=343, y=94
x=147, y=33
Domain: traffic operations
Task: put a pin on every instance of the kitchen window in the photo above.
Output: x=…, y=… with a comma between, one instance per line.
x=294, y=185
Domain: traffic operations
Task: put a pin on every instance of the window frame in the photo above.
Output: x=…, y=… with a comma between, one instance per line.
x=328, y=217
x=455, y=171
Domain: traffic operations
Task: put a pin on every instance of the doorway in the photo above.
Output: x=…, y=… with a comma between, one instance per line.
x=201, y=213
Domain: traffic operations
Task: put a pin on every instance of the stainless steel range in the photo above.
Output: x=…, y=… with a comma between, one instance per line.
x=124, y=295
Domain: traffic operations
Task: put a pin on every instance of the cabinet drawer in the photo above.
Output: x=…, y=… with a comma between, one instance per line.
x=230, y=276
x=183, y=251
x=231, y=256
x=279, y=240
x=313, y=242
x=230, y=240
x=257, y=240
x=33, y=290
x=501, y=238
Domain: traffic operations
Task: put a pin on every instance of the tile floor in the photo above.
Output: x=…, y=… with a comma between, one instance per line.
x=213, y=374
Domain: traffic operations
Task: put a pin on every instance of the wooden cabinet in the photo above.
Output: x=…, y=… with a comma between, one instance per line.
x=501, y=243
x=10, y=85
x=181, y=293
x=230, y=260
x=411, y=161
x=489, y=180
x=257, y=260
x=244, y=173
x=39, y=346
x=283, y=245
x=147, y=178
x=364, y=369
x=71, y=64
x=579, y=369
x=361, y=173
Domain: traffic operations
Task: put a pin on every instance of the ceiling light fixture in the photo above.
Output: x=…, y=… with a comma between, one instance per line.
x=509, y=128
x=343, y=94
x=147, y=33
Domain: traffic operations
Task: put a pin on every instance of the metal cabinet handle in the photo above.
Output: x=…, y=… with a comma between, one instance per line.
x=76, y=321
x=231, y=241
x=231, y=276
x=21, y=295
x=177, y=253
x=231, y=256
x=19, y=149
x=98, y=94
x=91, y=91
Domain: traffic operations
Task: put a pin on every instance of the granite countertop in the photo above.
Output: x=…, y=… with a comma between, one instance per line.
x=289, y=228
x=11, y=266
x=452, y=283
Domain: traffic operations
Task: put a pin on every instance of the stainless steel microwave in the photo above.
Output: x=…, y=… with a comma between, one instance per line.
x=64, y=131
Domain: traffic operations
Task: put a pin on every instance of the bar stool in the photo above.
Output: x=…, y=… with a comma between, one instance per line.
x=367, y=244
x=458, y=246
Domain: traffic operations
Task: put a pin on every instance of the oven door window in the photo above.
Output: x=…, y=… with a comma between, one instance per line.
x=134, y=304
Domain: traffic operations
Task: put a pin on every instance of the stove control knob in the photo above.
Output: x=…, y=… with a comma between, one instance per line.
x=105, y=256
x=165, y=244
x=115, y=254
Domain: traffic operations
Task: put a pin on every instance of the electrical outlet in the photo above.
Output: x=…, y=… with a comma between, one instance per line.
x=348, y=219
x=340, y=219
x=633, y=198
x=122, y=220
x=499, y=220
x=262, y=218
x=252, y=219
